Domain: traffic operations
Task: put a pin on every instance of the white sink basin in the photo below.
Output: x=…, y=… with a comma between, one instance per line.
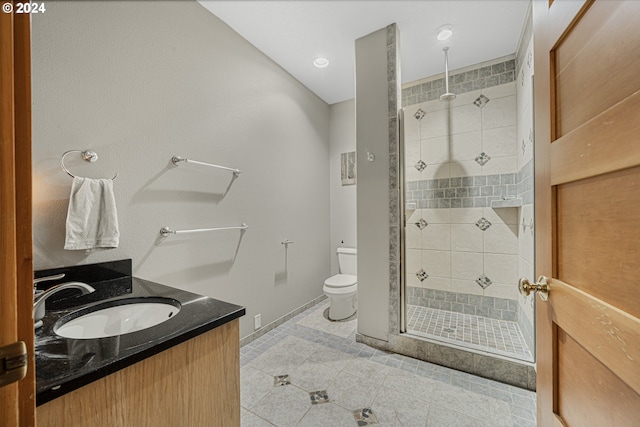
x=126, y=317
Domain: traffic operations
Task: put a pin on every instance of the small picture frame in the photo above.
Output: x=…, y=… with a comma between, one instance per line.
x=348, y=168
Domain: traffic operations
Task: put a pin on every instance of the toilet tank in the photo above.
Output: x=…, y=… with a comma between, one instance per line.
x=348, y=261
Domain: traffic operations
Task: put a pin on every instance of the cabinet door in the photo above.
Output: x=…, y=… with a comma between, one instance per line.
x=196, y=383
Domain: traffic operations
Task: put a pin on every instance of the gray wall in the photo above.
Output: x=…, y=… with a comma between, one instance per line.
x=139, y=84
x=342, y=136
x=377, y=93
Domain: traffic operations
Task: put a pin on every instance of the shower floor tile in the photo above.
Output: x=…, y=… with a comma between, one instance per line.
x=496, y=336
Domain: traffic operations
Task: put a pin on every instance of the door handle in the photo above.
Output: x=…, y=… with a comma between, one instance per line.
x=13, y=363
x=542, y=287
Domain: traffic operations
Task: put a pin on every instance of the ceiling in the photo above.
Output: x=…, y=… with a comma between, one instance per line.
x=293, y=33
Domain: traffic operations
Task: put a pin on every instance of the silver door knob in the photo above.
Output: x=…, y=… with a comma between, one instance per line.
x=541, y=287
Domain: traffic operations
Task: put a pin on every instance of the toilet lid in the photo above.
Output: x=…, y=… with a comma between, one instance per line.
x=341, y=281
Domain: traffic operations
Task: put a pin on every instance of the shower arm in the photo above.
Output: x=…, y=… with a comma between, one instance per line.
x=447, y=96
x=446, y=69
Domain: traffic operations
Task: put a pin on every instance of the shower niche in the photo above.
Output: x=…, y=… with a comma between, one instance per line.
x=467, y=211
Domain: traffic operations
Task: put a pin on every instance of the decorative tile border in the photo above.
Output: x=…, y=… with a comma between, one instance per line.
x=461, y=192
x=472, y=191
x=525, y=182
x=478, y=78
x=477, y=305
x=395, y=176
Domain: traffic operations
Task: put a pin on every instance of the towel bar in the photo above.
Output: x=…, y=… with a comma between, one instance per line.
x=177, y=159
x=166, y=231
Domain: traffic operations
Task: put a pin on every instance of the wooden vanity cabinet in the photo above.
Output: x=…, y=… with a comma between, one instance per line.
x=195, y=383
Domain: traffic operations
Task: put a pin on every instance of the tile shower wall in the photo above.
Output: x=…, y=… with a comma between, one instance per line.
x=477, y=305
x=459, y=157
x=508, y=371
x=526, y=246
x=481, y=76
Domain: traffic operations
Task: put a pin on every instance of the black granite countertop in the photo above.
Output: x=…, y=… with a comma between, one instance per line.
x=63, y=364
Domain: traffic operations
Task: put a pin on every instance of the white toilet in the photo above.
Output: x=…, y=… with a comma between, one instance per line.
x=342, y=289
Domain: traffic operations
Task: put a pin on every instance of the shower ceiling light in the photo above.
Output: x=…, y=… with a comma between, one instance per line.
x=321, y=62
x=444, y=33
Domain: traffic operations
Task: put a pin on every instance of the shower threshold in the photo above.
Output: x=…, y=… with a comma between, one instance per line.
x=495, y=336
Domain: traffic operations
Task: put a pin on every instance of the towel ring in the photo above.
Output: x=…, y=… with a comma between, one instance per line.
x=88, y=155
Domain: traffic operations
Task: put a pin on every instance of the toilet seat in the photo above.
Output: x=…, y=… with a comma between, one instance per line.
x=341, y=285
x=341, y=281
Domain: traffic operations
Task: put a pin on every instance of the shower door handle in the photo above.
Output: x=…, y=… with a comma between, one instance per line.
x=542, y=287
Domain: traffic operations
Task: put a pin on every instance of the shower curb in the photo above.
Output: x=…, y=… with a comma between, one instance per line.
x=518, y=374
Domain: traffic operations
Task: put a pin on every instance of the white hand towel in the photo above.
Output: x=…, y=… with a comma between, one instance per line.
x=92, y=219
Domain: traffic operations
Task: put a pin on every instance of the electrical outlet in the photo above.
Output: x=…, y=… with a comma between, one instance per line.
x=257, y=322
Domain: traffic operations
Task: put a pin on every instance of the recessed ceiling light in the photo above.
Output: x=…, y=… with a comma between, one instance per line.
x=321, y=62
x=444, y=32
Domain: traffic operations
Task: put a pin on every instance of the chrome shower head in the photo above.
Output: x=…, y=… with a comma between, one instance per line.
x=447, y=97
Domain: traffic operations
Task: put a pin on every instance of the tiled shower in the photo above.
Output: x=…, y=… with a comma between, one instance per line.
x=468, y=173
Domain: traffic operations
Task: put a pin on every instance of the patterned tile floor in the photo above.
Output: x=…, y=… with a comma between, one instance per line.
x=496, y=336
x=333, y=381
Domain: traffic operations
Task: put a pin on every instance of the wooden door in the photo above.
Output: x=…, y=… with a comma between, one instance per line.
x=587, y=113
x=17, y=400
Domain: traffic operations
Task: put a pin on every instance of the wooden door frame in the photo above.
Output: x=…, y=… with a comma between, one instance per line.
x=16, y=243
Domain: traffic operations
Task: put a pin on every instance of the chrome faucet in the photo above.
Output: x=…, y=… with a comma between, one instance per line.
x=39, y=299
x=44, y=279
